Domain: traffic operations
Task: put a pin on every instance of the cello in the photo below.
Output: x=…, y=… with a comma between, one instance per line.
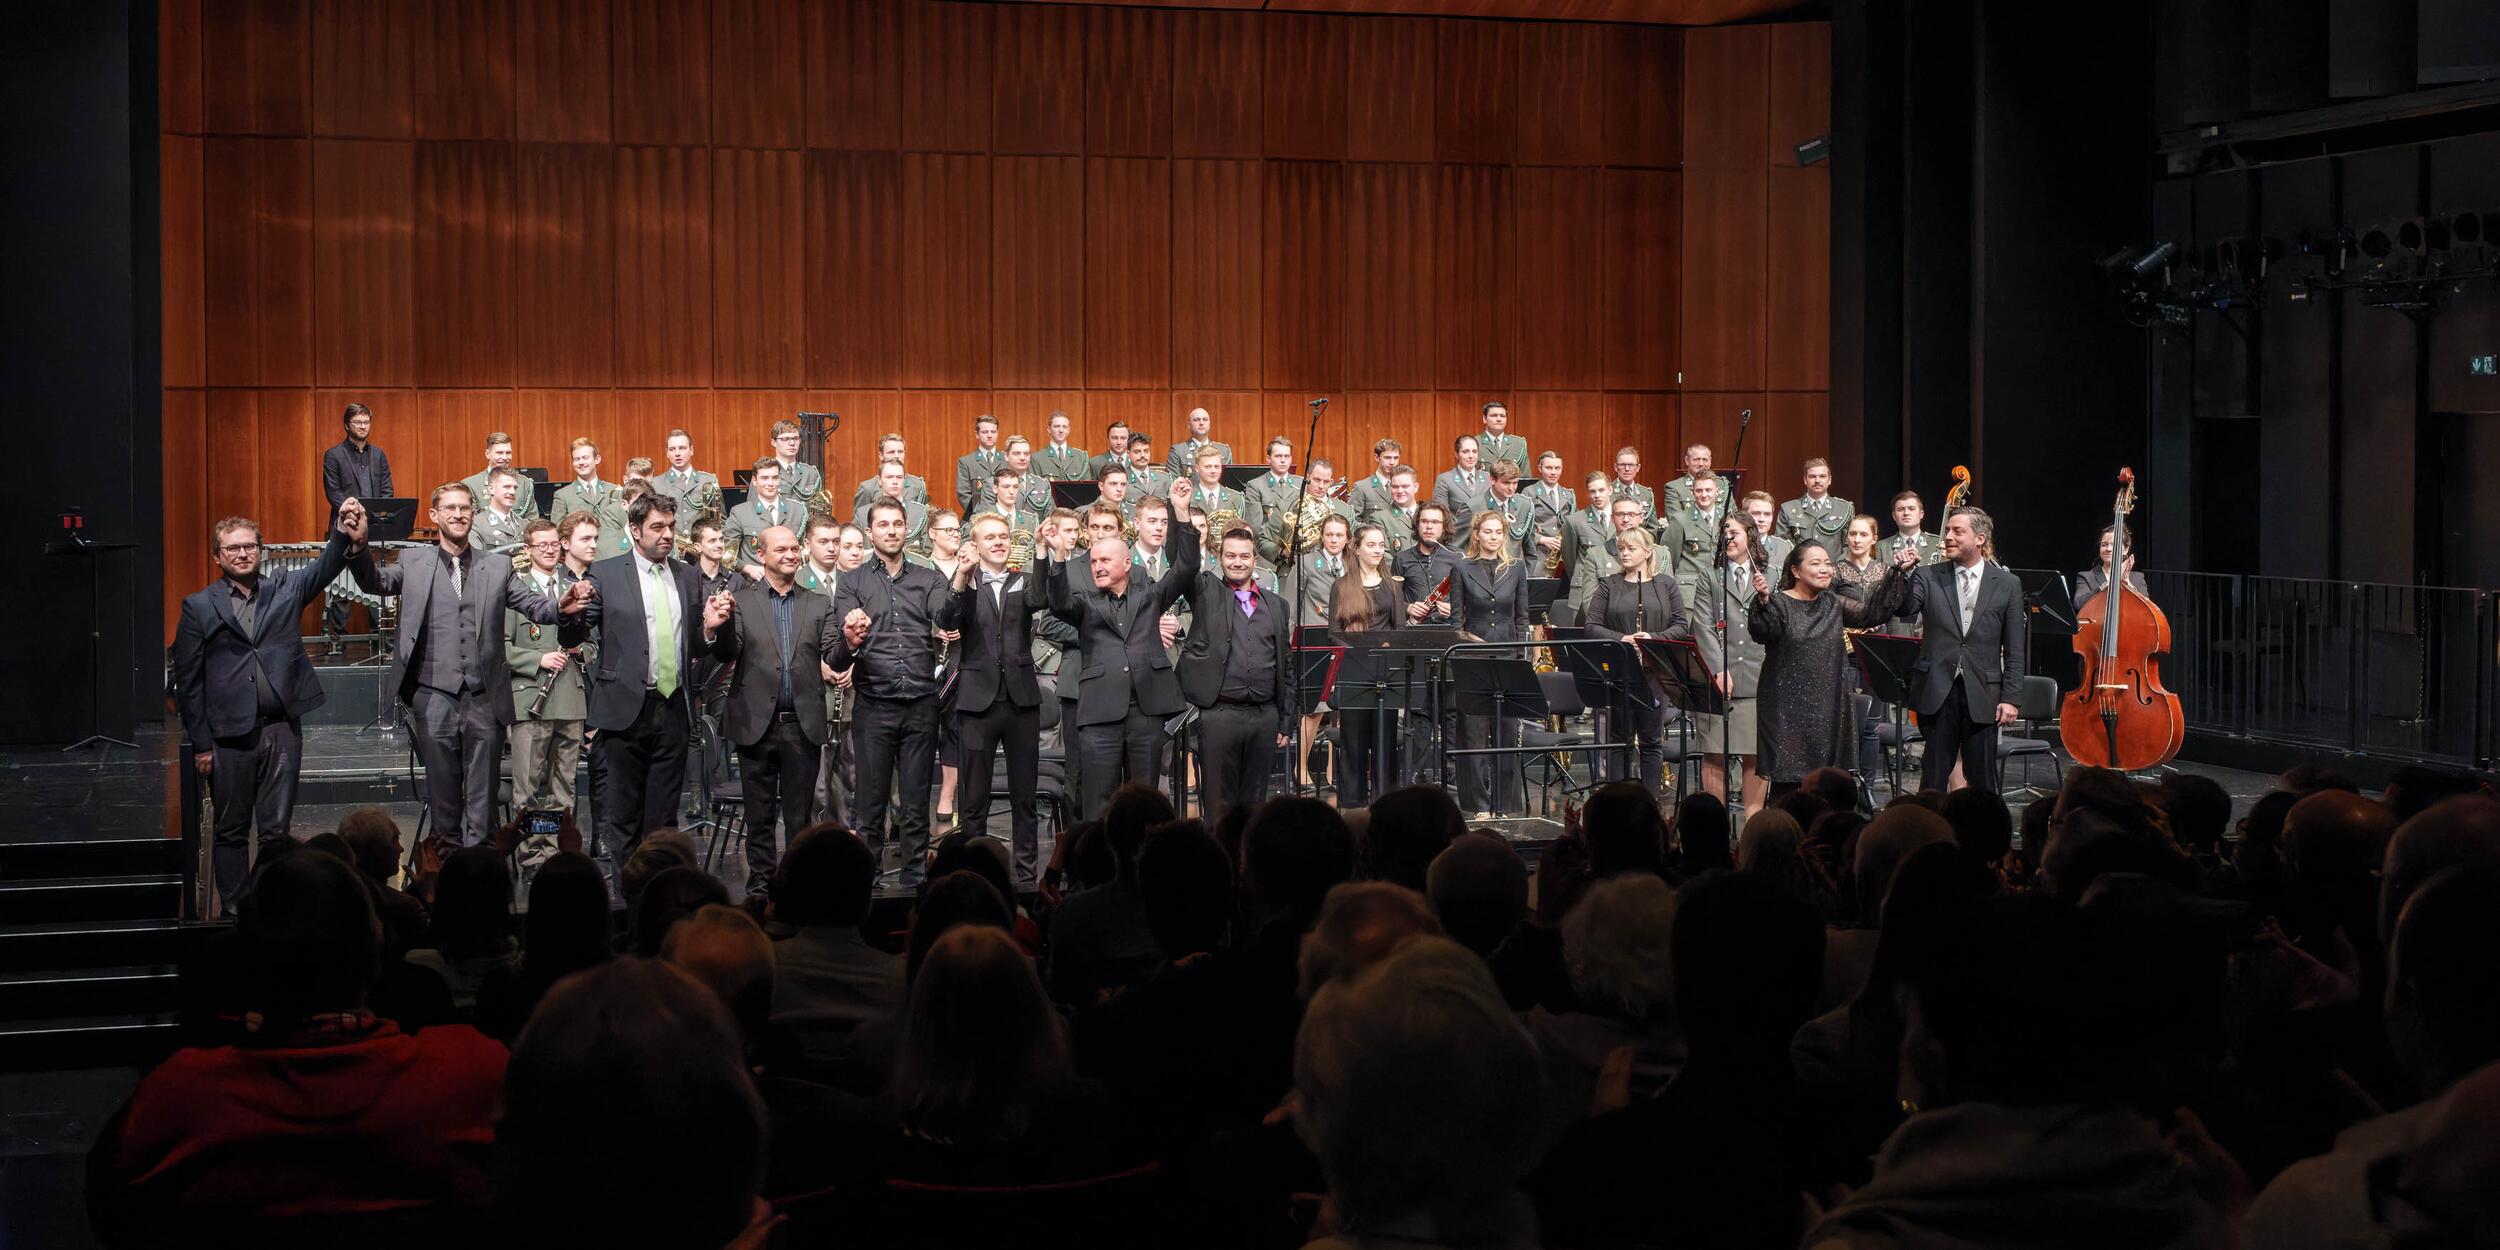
x=2120, y=716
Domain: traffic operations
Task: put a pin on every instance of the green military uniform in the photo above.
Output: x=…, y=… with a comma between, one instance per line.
x=1634, y=490
x=914, y=489
x=800, y=480
x=915, y=521
x=748, y=521
x=1149, y=481
x=1279, y=531
x=1594, y=563
x=1491, y=447
x=1824, y=520
x=1096, y=464
x=1518, y=519
x=604, y=500
x=1146, y=568
x=499, y=534
x=1320, y=572
x=1064, y=464
x=1462, y=492
x=524, y=499
x=1583, y=529
x=1227, y=499
x=546, y=738
x=973, y=471
x=1689, y=547
x=1182, y=460
x=1398, y=524
x=1370, y=494
x=1679, y=491
x=1930, y=547
x=697, y=494
x=1273, y=492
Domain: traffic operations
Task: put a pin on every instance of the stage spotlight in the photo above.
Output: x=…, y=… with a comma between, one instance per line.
x=2141, y=262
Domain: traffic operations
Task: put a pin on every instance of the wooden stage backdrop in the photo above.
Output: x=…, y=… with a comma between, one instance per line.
x=562, y=217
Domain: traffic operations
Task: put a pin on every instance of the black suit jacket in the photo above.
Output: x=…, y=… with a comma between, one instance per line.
x=1220, y=627
x=1119, y=659
x=213, y=669
x=1987, y=661
x=341, y=479
x=995, y=656
x=747, y=714
x=622, y=675
x=1492, y=605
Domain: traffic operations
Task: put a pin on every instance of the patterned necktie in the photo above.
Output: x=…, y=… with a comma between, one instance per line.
x=664, y=612
x=1969, y=577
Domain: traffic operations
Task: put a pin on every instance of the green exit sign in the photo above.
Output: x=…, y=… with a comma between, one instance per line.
x=2484, y=366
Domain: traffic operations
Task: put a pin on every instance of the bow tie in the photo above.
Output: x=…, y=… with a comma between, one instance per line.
x=994, y=579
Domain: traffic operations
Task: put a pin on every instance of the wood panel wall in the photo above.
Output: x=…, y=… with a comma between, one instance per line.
x=611, y=217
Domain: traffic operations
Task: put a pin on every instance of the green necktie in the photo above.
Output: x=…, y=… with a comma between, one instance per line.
x=664, y=610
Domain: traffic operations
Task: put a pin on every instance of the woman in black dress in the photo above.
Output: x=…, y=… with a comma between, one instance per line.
x=1803, y=705
x=1491, y=589
x=1639, y=602
x=1365, y=599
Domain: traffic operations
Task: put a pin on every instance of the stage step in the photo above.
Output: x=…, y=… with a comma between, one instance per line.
x=93, y=944
x=87, y=992
x=108, y=1041
x=126, y=896
x=107, y=857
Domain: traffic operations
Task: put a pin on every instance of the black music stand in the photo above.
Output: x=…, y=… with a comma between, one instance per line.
x=2048, y=608
x=1886, y=662
x=78, y=544
x=1602, y=672
x=1542, y=592
x=393, y=520
x=545, y=494
x=731, y=497
x=1684, y=682
x=532, y=475
x=741, y=477
x=1239, y=476
x=1377, y=687
x=1504, y=688
x=1075, y=496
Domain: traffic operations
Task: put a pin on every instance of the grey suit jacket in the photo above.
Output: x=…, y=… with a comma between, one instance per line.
x=417, y=577
x=1462, y=501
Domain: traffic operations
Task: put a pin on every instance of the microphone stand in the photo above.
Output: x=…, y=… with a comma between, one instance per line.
x=1727, y=644
x=1293, y=564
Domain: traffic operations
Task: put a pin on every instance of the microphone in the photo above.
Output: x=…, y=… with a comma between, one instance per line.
x=1318, y=404
x=1744, y=418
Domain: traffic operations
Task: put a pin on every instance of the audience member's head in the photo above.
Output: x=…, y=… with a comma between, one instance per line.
x=1293, y=853
x=1896, y=833
x=2443, y=984
x=2450, y=1183
x=2414, y=789
x=1837, y=789
x=952, y=901
x=1772, y=849
x=1409, y=826
x=2334, y=842
x=1802, y=805
x=826, y=877
x=972, y=851
x=722, y=947
x=1134, y=808
x=982, y=1053
x=373, y=841
x=332, y=845
x=1361, y=922
x=1089, y=861
x=624, y=1066
x=2104, y=825
x=1418, y=1093
x=2199, y=810
x=1187, y=885
x=2308, y=779
x=568, y=926
x=672, y=895
x=1479, y=891
x=472, y=904
x=309, y=940
x=2457, y=832
x=662, y=850
x=1748, y=961
x=1702, y=835
x=1980, y=822
x=1624, y=830
x=1618, y=945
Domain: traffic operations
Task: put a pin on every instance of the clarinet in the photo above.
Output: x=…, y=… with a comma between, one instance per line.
x=547, y=679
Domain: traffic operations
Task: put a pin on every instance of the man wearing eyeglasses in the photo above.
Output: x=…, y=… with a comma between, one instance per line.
x=243, y=684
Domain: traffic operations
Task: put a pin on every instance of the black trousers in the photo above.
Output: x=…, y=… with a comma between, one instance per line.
x=1955, y=731
x=1360, y=732
x=646, y=770
x=251, y=780
x=895, y=744
x=1118, y=752
x=778, y=777
x=1628, y=721
x=1487, y=783
x=981, y=734
x=1236, y=755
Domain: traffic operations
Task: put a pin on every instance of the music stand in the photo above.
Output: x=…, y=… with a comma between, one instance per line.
x=1684, y=682
x=1601, y=669
x=1239, y=476
x=1542, y=592
x=77, y=544
x=393, y=520
x=1075, y=496
x=741, y=477
x=1372, y=681
x=532, y=475
x=1886, y=662
x=1503, y=688
x=731, y=497
x=543, y=492
x=2048, y=602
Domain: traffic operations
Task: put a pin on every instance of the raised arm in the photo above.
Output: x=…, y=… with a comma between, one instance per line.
x=1183, y=575
x=1881, y=604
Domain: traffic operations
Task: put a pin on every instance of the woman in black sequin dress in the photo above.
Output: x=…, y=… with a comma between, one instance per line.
x=1803, y=705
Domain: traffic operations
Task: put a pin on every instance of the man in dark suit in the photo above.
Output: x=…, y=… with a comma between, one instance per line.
x=779, y=633
x=1971, y=657
x=243, y=683
x=1128, y=688
x=888, y=611
x=998, y=697
x=353, y=468
x=448, y=665
x=1236, y=669
x=653, y=621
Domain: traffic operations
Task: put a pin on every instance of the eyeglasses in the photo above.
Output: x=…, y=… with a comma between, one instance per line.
x=545, y=545
x=236, y=549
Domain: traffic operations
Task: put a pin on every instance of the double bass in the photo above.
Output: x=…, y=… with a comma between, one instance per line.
x=2120, y=716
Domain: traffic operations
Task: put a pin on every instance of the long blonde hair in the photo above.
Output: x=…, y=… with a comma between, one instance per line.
x=1502, y=558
